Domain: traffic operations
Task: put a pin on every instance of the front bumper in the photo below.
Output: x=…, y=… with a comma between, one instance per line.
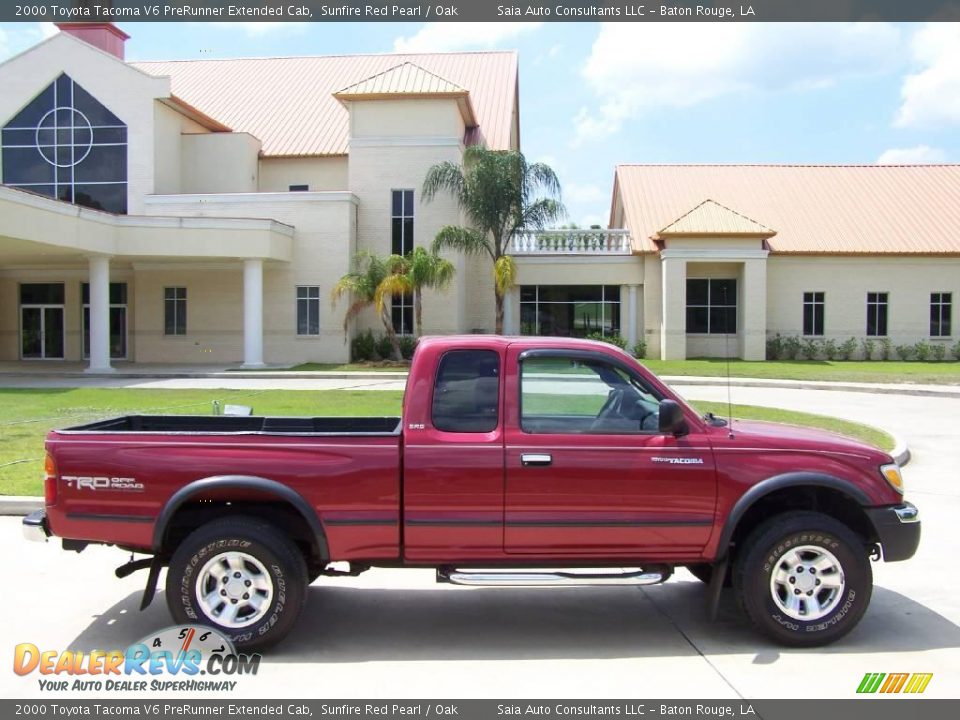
x=35, y=526
x=898, y=530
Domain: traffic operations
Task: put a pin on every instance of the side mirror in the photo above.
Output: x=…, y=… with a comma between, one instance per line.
x=672, y=421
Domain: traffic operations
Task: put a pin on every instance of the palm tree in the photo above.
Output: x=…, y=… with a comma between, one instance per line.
x=500, y=194
x=418, y=271
x=362, y=283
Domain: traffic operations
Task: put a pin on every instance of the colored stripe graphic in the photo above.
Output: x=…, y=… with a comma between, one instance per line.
x=870, y=682
x=918, y=682
x=894, y=683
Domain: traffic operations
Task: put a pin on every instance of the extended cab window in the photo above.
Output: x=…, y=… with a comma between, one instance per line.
x=566, y=395
x=467, y=392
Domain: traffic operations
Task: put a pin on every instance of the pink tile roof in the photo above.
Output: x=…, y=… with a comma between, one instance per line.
x=711, y=218
x=288, y=103
x=818, y=209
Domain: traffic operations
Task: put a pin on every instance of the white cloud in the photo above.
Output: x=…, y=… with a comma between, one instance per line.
x=636, y=67
x=26, y=34
x=444, y=37
x=918, y=155
x=259, y=29
x=47, y=29
x=931, y=96
x=585, y=193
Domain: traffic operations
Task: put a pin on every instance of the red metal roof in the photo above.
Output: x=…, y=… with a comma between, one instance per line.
x=288, y=103
x=835, y=209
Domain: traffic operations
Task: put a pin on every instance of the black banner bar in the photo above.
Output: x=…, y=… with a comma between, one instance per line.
x=478, y=10
x=419, y=709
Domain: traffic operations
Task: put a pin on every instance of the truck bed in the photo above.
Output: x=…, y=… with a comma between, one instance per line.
x=220, y=424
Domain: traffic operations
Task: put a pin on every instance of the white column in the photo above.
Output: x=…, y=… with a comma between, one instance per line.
x=753, y=334
x=508, y=324
x=673, y=318
x=99, y=315
x=253, y=313
x=631, y=325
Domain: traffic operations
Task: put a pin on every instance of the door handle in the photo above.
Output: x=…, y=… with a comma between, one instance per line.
x=535, y=459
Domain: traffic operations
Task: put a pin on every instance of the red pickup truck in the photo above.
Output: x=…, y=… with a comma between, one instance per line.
x=517, y=462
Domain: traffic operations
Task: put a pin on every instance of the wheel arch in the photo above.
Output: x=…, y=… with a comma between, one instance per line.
x=277, y=494
x=838, y=498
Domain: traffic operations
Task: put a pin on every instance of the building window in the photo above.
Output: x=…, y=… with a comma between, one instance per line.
x=175, y=311
x=299, y=188
x=569, y=310
x=940, y=303
x=64, y=144
x=401, y=229
x=813, y=304
x=308, y=309
x=877, y=314
x=711, y=306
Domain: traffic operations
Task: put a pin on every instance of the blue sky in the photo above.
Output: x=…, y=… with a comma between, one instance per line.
x=594, y=95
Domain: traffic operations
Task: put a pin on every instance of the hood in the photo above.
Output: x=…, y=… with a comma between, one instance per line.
x=780, y=436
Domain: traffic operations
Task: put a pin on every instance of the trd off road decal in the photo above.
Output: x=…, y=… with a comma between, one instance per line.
x=98, y=482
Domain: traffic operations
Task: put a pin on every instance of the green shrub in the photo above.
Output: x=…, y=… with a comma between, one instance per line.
x=791, y=347
x=810, y=347
x=955, y=350
x=922, y=351
x=384, y=348
x=830, y=349
x=904, y=351
x=614, y=339
x=938, y=352
x=640, y=349
x=886, y=349
x=774, y=347
x=407, y=345
x=363, y=347
x=867, y=346
x=848, y=348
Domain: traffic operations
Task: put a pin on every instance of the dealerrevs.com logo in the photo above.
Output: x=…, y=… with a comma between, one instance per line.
x=179, y=658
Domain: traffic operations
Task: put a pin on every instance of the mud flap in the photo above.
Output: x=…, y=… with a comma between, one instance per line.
x=716, y=587
x=156, y=564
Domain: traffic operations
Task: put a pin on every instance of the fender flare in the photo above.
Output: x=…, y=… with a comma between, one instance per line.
x=242, y=482
x=779, y=482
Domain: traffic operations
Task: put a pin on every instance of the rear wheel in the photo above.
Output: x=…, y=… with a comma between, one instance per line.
x=804, y=579
x=241, y=576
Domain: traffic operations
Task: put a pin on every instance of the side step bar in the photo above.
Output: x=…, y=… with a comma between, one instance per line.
x=548, y=578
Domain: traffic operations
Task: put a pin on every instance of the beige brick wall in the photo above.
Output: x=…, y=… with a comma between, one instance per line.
x=320, y=173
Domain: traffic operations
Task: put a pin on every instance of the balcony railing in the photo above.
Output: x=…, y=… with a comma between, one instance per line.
x=572, y=242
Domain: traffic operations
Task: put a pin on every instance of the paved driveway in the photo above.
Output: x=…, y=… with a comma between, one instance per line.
x=394, y=633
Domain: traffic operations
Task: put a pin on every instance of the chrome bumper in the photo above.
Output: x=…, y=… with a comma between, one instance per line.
x=35, y=527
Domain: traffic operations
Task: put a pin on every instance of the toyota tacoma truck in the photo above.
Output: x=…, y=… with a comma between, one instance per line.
x=516, y=462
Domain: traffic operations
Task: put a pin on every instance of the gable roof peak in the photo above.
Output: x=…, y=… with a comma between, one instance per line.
x=713, y=218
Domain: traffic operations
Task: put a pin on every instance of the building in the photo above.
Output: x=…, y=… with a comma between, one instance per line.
x=202, y=211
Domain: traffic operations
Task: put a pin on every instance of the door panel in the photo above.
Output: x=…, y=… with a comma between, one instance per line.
x=604, y=481
x=31, y=333
x=53, y=333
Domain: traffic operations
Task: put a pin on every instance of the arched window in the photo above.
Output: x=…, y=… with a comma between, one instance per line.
x=64, y=144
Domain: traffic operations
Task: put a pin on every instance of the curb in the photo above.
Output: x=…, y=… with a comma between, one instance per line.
x=875, y=389
x=15, y=505
x=11, y=505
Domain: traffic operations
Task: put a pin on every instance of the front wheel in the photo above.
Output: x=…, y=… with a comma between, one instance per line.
x=804, y=579
x=242, y=577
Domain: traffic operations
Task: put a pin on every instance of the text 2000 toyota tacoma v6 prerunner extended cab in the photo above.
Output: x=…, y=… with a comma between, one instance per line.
x=512, y=454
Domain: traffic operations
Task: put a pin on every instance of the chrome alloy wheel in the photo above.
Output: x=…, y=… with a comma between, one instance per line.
x=807, y=582
x=234, y=589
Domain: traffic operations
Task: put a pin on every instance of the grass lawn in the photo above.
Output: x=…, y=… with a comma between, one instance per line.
x=942, y=373
x=27, y=414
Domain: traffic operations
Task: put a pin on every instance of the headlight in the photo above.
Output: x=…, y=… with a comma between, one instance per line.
x=892, y=475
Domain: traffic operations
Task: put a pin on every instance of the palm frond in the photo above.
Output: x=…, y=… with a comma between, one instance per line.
x=504, y=273
x=391, y=285
x=462, y=239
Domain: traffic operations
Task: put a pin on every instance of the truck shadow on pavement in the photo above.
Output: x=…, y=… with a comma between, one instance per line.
x=359, y=624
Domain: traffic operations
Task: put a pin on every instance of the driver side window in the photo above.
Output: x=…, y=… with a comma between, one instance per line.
x=566, y=395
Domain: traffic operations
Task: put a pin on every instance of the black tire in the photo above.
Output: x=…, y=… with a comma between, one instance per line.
x=704, y=573
x=758, y=560
x=285, y=571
